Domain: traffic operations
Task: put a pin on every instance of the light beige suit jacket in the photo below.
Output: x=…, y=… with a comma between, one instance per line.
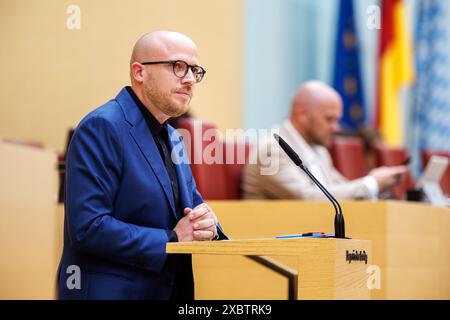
x=289, y=181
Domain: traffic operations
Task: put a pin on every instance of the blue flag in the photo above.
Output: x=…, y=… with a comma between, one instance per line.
x=347, y=75
x=431, y=108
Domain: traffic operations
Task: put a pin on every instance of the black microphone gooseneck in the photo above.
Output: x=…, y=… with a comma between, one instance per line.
x=339, y=224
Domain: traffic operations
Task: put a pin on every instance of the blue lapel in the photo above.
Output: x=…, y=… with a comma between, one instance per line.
x=144, y=139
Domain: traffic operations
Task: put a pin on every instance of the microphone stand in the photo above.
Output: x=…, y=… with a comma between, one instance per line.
x=339, y=224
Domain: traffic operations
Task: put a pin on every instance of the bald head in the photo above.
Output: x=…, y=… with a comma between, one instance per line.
x=315, y=112
x=158, y=43
x=315, y=94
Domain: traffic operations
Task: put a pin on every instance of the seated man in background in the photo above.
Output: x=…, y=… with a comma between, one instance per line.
x=315, y=112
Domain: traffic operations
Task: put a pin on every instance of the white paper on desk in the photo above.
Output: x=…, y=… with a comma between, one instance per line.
x=431, y=178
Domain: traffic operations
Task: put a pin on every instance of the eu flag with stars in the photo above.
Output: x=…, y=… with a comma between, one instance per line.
x=347, y=75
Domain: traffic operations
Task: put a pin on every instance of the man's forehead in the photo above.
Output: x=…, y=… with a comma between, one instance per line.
x=172, y=50
x=327, y=107
x=165, y=45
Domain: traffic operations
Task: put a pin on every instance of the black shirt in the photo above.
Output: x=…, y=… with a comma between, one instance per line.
x=183, y=283
x=161, y=136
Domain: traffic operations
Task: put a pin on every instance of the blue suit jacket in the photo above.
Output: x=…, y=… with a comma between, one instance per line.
x=119, y=205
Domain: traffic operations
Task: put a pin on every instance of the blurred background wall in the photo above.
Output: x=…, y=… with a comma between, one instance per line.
x=288, y=42
x=52, y=76
x=256, y=53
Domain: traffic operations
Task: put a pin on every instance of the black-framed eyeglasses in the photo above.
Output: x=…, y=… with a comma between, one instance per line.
x=180, y=68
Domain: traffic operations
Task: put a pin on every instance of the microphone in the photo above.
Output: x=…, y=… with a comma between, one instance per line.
x=339, y=224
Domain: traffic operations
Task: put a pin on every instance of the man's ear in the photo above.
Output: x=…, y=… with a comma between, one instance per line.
x=137, y=72
x=301, y=113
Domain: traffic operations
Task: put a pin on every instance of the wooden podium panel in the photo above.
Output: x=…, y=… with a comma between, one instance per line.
x=321, y=264
x=28, y=242
x=410, y=246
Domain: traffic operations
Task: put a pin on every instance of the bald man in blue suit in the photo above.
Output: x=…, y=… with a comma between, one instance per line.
x=127, y=194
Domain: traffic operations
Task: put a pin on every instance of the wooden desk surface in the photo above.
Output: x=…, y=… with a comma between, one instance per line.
x=411, y=242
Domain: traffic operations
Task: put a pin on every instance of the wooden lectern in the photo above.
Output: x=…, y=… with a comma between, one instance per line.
x=326, y=268
x=29, y=232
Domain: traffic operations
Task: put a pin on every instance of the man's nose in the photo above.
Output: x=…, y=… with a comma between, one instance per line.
x=189, y=77
x=336, y=127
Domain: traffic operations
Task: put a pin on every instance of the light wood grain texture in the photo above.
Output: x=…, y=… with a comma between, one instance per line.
x=321, y=264
x=28, y=241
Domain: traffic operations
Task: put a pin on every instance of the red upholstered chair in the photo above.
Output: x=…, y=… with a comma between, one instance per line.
x=387, y=156
x=204, y=146
x=445, y=181
x=235, y=158
x=348, y=156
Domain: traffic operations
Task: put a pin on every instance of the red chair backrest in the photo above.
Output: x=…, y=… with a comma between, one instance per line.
x=348, y=156
x=210, y=177
x=388, y=156
x=445, y=181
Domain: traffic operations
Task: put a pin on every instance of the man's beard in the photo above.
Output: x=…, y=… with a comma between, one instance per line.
x=314, y=139
x=164, y=103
